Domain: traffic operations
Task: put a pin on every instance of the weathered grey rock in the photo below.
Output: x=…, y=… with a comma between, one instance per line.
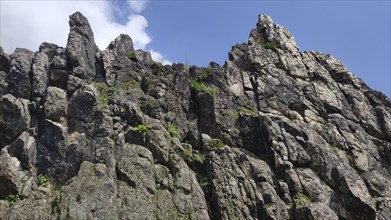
x=49, y=49
x=267, y=31
x=56, y=104
x=53, y=150
x=81, y=47
x=90, y=195
x=316, y=211
x=136, y=170
x=77, y=150
x=74, y=83
x=286, y=135
x=384, y=208
x=144, y=56
x=14, y=180
x=18, y=78
x=59, y=76
x=82, y=102
x=5, y=62
x=25, y=149
x=119, y=49
x=40, y=74
x=3, y=83
x=14, y=118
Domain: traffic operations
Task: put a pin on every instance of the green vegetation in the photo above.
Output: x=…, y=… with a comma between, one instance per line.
x=42, y=180
x=105, y=92
x=249, y=111
x=129, y=84
x=12, y=199
x=200, y=87
x=132, y=57
x=280, y=65
x=204, y=73
x=142, y=128
x=301, y=200
x=187, y=153
x=192, y=156
x=216, y=144
x=57, y=187
x=381, y=149
x=230, y=113
x=273, y=45
x=198, y=157
x=172, y=130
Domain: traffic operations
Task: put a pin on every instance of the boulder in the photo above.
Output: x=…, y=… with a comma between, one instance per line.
x=53, y=150
x=14, y=180
x=5, y=62
x=25, y=149
x=18, y=78
x=40, y=74
x=14, y=118
x=56, y=104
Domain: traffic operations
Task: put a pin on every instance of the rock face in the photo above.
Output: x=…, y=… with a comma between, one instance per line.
x=275, y=133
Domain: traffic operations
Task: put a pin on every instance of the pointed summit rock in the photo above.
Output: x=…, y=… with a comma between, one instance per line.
x=269, y=32
x=81, y=47
x=119, y=49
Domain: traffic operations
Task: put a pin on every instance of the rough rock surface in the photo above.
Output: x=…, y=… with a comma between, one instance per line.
x=275, y=133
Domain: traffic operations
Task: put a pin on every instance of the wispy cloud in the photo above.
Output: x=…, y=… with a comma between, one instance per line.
x=27, y=24
x=159, y=57
x=137, y=5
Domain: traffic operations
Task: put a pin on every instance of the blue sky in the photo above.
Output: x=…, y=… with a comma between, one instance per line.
x=197, y=32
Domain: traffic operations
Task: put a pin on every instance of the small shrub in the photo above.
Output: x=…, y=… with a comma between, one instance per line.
x=383, y=151
x=187, y=153
x=301, y=200
x=42, y=180
x=249, y=111
x=192, y=156
x=132, y=57
x=142, y=128
x=216, y=144
x=273, y=45
x=12, y=199
x=280, y=65
x=129, y=84
x=204, y=73
x=198, y=157
x=57, y=187
x=172, y=130
x=230, y=113
x=200, y=87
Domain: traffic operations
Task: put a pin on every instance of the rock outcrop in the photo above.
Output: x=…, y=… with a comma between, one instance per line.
x=275, y=133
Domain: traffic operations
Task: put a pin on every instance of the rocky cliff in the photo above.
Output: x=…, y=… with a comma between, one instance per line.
x=275, y=133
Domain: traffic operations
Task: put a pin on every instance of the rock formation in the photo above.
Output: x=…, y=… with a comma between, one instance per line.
x=275, y=133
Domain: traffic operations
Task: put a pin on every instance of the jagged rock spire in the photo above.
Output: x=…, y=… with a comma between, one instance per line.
x=267, y=32
x=81, y=47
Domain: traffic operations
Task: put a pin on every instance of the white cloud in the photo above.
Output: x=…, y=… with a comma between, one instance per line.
x=137, y=5
x=159, y=57
x=27, y=24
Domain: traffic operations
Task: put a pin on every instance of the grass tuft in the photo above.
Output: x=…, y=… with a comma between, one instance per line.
x=200, y=87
